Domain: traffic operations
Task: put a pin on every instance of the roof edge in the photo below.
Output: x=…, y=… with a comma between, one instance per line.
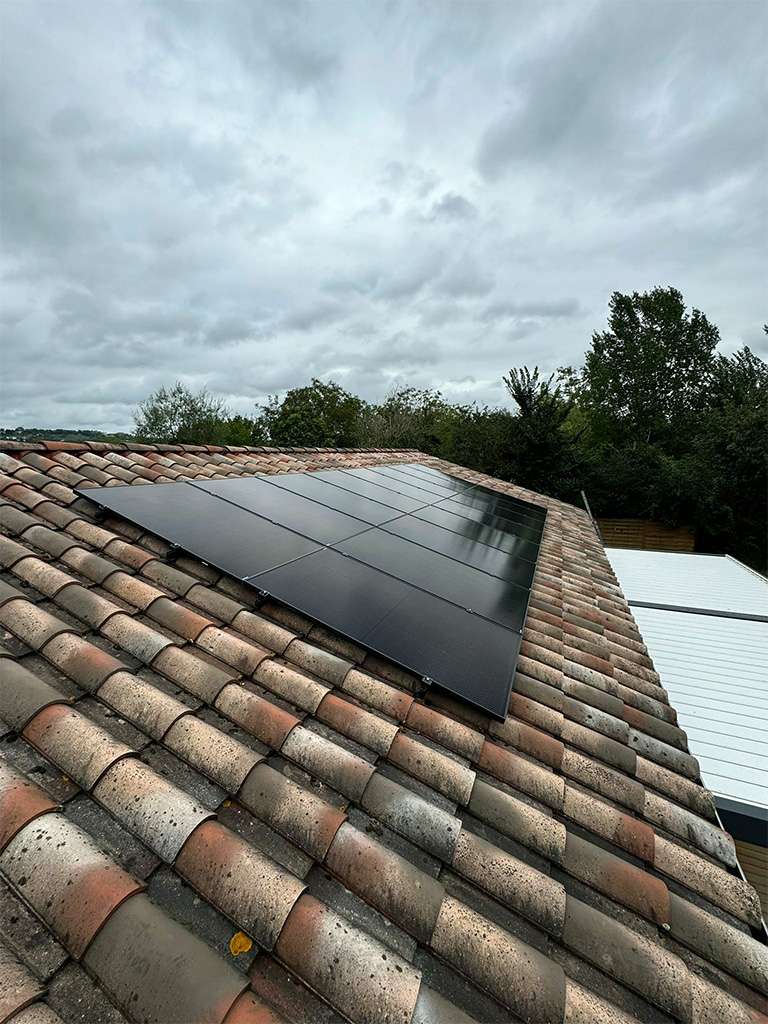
x=104, y=446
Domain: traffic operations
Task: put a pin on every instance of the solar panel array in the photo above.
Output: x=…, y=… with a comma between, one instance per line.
x=429, y=571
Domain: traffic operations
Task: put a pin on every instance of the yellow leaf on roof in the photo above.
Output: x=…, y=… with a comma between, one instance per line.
x=239, y=943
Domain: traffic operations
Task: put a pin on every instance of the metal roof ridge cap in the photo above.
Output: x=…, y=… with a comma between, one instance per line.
x=747, y=568
x=716, y=612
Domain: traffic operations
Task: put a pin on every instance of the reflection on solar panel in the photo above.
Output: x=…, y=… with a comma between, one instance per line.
x=424, y=569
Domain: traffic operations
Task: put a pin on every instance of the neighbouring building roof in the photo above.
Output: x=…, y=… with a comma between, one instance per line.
x=705, y=620
x=213, y=810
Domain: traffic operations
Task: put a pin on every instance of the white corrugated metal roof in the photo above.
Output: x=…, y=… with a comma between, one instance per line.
x=685, y=580
x=714, y=667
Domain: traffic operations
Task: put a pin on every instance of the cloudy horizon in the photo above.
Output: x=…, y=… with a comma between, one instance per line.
x=246, y=195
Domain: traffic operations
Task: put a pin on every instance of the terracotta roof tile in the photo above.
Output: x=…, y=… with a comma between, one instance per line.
x=141, y=641
x=29, y=623
x=85, y=605
x=178, y=619
x=43, y=576
x=377, y=694
x=253, y=891
x=325, y=760
x=370, y=730
x=169, y=576
x=605, y=781
x=445, y=731
x=719, y=942
x=130, y=958
x=220, y=757
x=296, y=813
x=618, y=879
x=193, y=673
x=368, y=982
x=588, y=796
x=18, y=986
x=659, y=976
x=258, y=716
x=387, y=881
x=681, y=789
x=155, y=810
x=447, y=775
x=73, y=891
x=80, y=748
x=247, y=1009
x=20, y=802
x=317, y=661
x=243, y=656
x=89, y=564
x=515, y=884
x=412, y=816
x=714, y=883
x=296, y=687
x=132, y=590
x=522, y=774
x=153, y=711
x=490, y=956
x=517, y=819
x=23, y=695
x=610, y=823
x=81, y=660
x=11, y=552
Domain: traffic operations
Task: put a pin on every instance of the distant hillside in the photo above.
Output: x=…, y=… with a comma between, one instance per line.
x=47, y=434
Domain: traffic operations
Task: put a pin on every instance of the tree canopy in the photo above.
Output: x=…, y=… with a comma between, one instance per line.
x=655, y=424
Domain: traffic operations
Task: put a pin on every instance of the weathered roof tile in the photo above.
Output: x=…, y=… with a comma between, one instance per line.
x=253, y=891
x=387, y=881
x=155, y=969
x=445, y=774
x=73, y=742
x=511, y=881
x=490, y=957
x=18, y=986
x=296, y=813
x=67, y=880
x=327, y=761
x=222, y=758
x=23, y=694
x=588, y=776
x=159, y=813
x=20, y=802
x=366, y=982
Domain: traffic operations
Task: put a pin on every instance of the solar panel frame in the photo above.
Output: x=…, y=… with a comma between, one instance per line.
x=417, y=630
x=431, y=572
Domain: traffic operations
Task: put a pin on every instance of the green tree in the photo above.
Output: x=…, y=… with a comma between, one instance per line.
x=407, y=418
x=544, y=454
x=176, y=415
x=728, y=463
x=318, y=415
x=647, y=377
x=242, y=431
x=481, y=438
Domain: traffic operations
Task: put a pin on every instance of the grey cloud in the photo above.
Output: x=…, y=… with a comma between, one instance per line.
x=453, y=207
x=245, y=195
x=547, y=309
x=466, y=278
x=314, y=314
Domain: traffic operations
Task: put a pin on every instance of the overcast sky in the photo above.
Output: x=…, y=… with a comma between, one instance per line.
x=244, y=195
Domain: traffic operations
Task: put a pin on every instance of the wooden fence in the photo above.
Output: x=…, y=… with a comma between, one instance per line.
x=644, y=535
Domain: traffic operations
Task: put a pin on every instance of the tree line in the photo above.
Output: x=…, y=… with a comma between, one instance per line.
x=656, y=424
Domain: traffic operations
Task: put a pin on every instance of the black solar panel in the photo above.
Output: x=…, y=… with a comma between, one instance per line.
x=426, y=570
